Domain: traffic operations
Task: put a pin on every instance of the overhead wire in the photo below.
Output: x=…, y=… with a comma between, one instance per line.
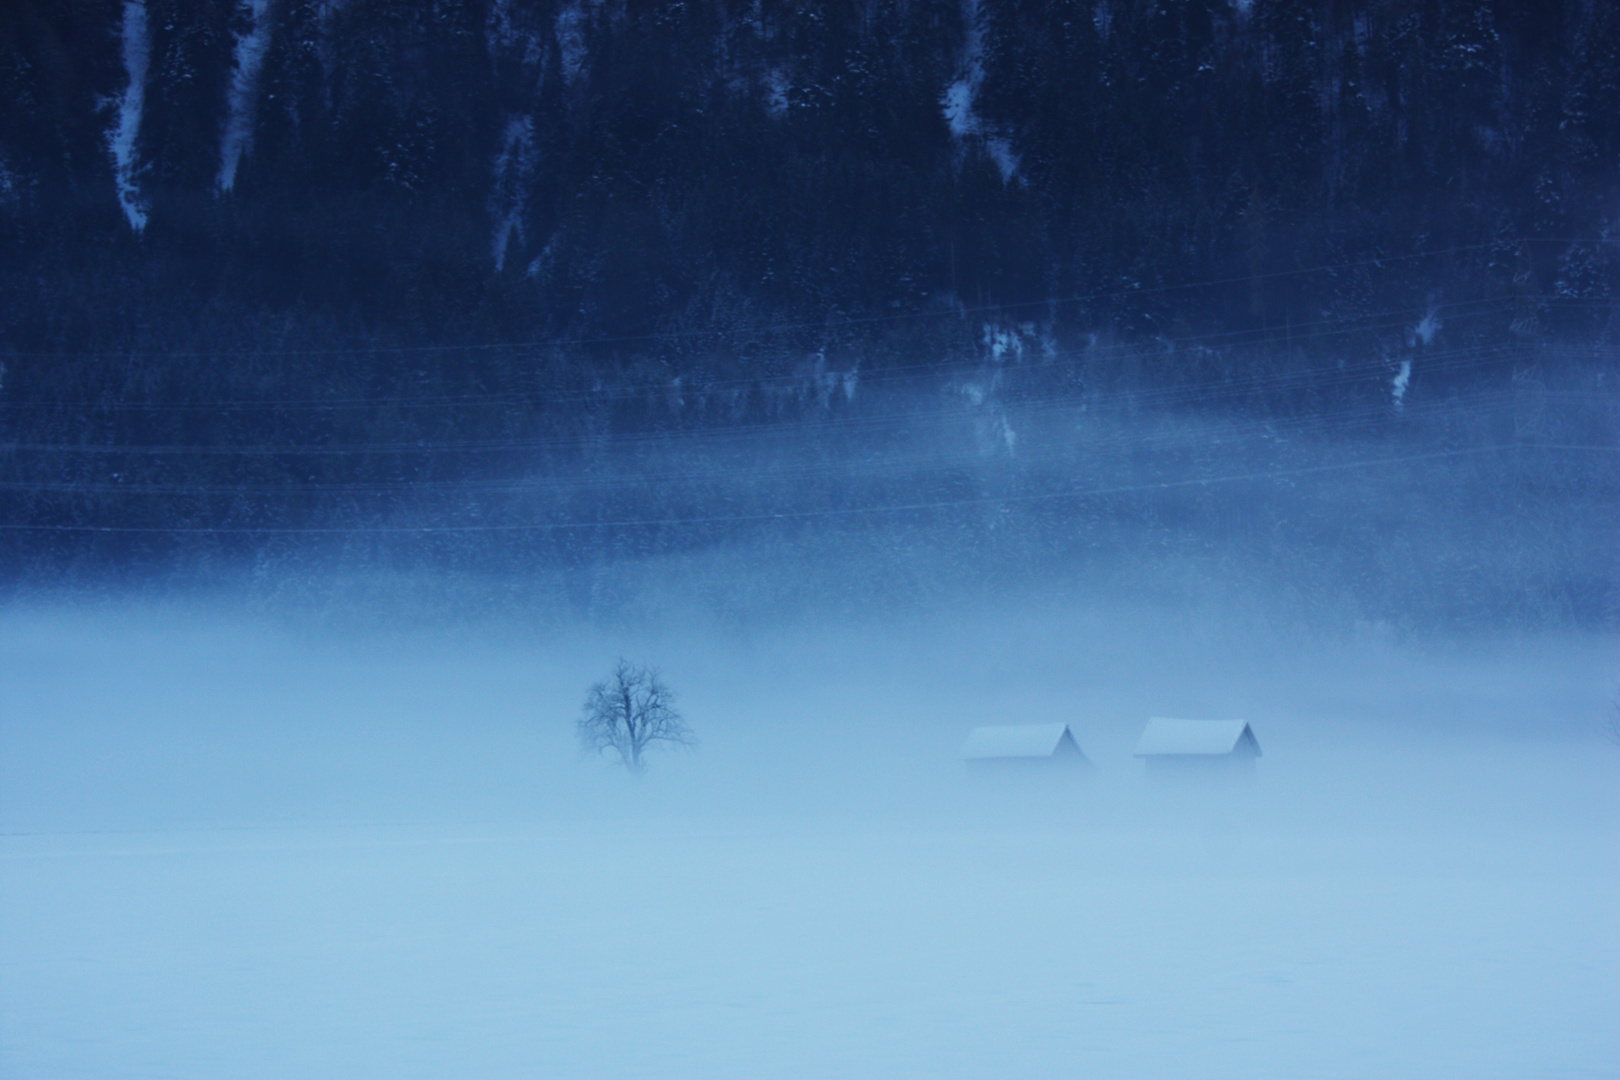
x=1087, y=446
x=955, y=311
x=763, y=516
x=754, y=470
x=1295, y=334
x=1437, y=361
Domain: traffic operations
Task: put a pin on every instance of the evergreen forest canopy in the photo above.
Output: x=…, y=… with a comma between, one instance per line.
x=305, y=223
x=729, y=186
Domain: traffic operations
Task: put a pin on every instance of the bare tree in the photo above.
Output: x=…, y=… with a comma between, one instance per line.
x=629, y=711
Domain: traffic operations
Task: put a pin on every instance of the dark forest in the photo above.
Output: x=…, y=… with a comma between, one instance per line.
x=287, y=267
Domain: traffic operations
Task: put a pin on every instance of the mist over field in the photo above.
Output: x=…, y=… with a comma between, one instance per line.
x=324, y=812
x=381, y=382
x=261, y=846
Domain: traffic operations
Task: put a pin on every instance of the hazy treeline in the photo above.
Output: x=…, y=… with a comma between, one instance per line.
x=1485, y=509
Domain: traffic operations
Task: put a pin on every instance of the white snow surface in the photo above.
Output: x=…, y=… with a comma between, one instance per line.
x=1164, y=735
x=236, y=848
x=1013, y=740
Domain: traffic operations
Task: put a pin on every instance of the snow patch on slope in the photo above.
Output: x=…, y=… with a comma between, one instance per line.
x=570, y=30
x=242, y=96
x=137, y=53
x=1398, y=385
x=959, y=102
x=514, y=166
x=327, y=13
x=1427, y=328
x=503, y=34
x=778, y=86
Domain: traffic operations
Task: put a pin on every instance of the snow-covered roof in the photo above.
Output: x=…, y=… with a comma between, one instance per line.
x=1165, y=736
x=1015, y=741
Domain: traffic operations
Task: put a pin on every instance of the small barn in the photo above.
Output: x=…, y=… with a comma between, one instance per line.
x=1022, y=745
x=1198, y=745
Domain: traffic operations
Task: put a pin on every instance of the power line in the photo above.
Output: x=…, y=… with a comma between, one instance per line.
x=810, y=324
x=942, y=504
x=804, y=381
x=1439, y=361
x=1300, y=332
x=1091, y=439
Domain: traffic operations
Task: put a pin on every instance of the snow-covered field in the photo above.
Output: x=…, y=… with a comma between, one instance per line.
x=236, y=849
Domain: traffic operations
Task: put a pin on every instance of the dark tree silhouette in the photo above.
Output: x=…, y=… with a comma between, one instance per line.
x=629, y=711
